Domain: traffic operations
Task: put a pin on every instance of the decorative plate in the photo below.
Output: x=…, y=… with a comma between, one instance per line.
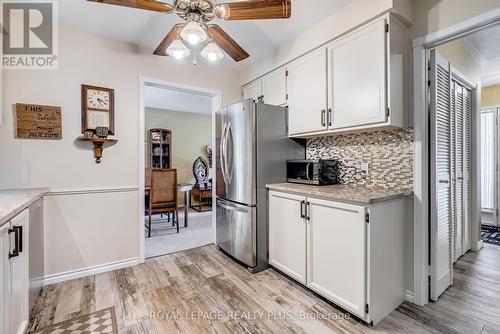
x=200, y=170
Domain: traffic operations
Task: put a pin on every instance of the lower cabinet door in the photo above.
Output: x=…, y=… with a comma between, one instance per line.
x=287, y=234
x=19, y=293
x=337, y=253
x=4, y=279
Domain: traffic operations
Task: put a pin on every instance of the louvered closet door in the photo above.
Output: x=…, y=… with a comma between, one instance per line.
x=467, y=232
x=453, y=165
x=440, y=225
x=458, y=169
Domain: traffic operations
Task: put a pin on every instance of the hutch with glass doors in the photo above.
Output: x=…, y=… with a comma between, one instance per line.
x=159, y=150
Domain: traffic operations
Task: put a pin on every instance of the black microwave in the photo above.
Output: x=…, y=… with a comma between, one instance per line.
x=315, y=172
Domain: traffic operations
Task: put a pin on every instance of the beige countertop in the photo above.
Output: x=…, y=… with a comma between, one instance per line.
x=12, y=202
x=343, y=193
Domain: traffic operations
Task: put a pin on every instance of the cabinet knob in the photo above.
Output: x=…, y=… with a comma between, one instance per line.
x=323, y=117
x=329, y=116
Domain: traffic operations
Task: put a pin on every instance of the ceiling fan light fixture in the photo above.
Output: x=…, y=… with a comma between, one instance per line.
x=212, y=52
x=193, y=33
x=178, y=49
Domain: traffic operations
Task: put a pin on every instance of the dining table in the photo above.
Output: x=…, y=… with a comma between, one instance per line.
x=184, y=188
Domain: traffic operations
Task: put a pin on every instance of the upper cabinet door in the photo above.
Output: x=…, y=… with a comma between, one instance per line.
x=307, y=93
x=274, y=87
x=357, y=78
x=253, y=91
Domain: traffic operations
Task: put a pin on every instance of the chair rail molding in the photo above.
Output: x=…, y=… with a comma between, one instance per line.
x=88, y=191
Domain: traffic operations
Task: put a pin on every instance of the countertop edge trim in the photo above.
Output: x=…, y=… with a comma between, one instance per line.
x=402, y=194
x=21, y=208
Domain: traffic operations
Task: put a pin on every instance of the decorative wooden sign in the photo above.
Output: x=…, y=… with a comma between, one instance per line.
x=38, y=121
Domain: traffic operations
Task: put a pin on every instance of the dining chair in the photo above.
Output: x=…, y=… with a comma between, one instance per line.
x=163, y=196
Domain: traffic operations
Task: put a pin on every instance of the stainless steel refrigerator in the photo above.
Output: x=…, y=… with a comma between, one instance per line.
x=252, y=150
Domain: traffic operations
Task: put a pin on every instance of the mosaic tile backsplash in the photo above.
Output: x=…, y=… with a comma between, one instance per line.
x=388, y=153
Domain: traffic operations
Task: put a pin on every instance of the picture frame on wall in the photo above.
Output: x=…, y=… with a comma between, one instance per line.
x=98, y=108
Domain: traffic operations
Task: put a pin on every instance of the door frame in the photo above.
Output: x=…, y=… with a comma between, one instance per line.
x=421, y=47
x=495, y=109
x=145, y=81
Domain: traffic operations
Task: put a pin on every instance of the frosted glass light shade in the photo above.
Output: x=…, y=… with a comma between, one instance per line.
x=178, y=49
x=193, y=33
x=212, y=52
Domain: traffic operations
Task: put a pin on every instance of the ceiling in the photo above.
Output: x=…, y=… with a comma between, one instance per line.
x=260, y=38
x=162, y=98
x=485, y=47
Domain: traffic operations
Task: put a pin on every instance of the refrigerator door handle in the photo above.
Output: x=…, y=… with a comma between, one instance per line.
x=222, y=153
x=231, y=207
x=228, y=169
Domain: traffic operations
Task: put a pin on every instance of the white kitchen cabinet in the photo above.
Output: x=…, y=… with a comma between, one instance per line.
x=357, y=78
x=287, y=234
x=19, y=290
x=354, y=254
x=271, y=88
x=253, y=91
x=14, y=308
x=274, y=91
x=337, y=240
x=366, y=72
x=357, y=82
x=307, y=94
x=4, y=279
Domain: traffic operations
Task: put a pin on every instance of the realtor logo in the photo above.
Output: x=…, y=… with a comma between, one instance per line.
x=29, y=34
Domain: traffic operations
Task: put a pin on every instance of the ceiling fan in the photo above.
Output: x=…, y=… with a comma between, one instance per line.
x=198, y=29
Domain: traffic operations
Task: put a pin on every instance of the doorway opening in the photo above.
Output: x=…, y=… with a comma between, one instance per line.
x=176, y=171
x=444, y=66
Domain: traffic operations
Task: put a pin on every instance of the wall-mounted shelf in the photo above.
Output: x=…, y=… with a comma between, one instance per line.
x=98, y=146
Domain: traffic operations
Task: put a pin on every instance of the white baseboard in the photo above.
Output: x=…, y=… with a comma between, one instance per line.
x=409, y=297
x=480, y=245
x=79, y=273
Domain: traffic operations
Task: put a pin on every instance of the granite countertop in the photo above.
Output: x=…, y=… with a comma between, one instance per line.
x=12, y=202
x=343, y=193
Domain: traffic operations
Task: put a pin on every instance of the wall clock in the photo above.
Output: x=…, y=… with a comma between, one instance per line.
x=98, y=108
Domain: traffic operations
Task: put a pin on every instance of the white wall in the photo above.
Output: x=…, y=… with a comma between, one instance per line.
x=433, y=15
x=67, y=165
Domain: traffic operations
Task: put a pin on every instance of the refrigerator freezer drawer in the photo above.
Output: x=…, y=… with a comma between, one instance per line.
x=236, y=231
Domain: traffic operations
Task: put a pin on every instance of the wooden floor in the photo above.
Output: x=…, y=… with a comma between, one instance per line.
x=188, y=292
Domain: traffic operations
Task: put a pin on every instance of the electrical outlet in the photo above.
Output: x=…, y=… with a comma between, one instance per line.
x=364, y=168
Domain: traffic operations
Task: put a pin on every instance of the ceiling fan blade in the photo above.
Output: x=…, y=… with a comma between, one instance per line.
x=254, y=10
x=161, y=50
x=153, y=5
x=226, y=43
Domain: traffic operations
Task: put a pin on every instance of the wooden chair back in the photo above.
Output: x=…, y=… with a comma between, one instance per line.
x=163, y=186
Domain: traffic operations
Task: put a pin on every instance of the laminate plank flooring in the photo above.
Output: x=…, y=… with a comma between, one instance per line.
x=204, y=291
